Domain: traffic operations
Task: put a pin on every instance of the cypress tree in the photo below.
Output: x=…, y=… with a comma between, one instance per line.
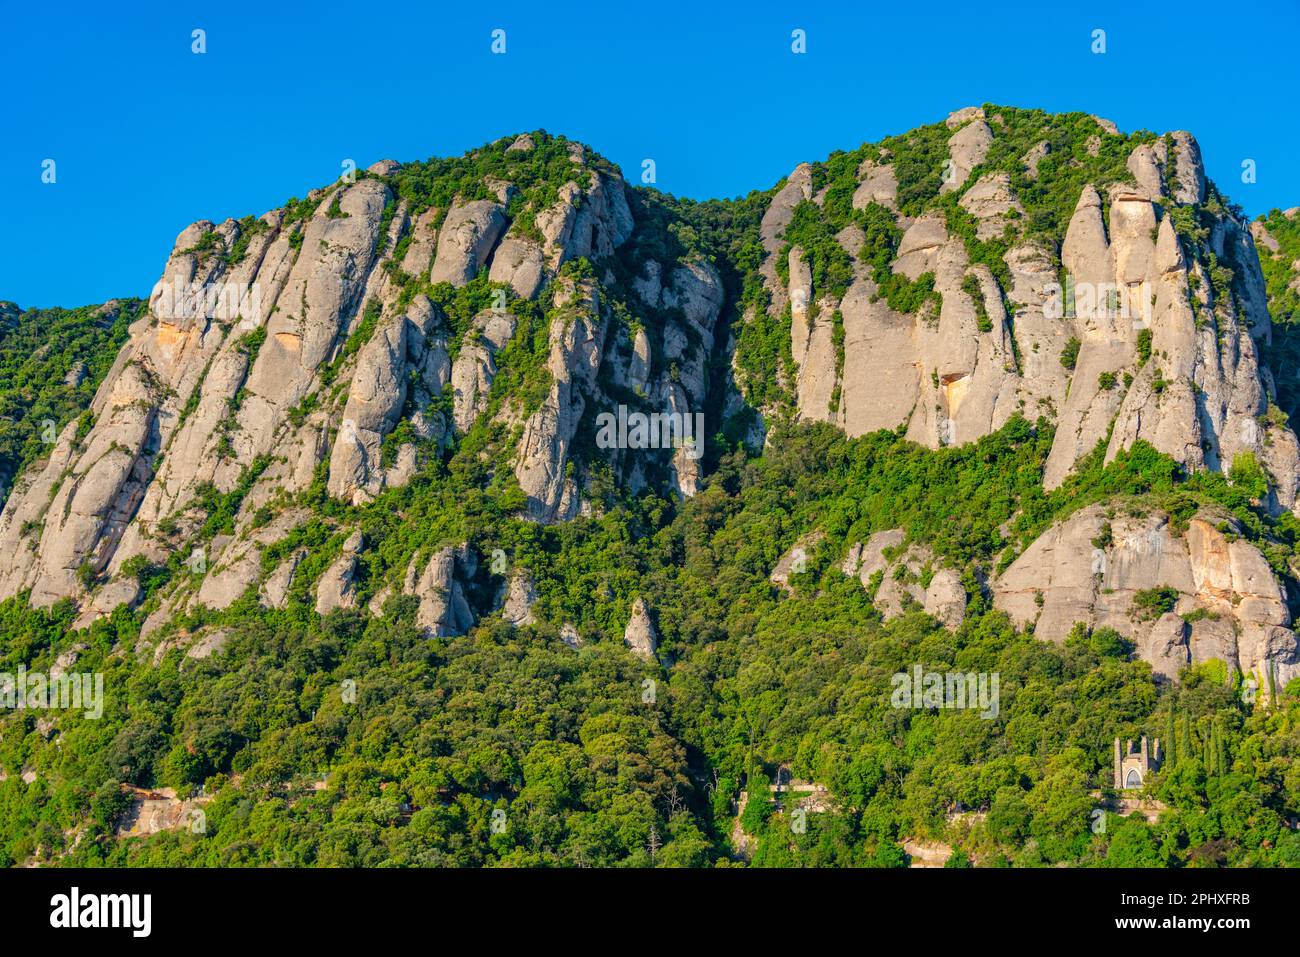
x=1185, y=747
x=1221, y=748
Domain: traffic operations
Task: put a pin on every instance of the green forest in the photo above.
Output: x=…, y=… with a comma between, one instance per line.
x=444, y=732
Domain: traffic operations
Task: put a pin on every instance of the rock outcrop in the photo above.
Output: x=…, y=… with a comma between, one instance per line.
x=521, y=596
x=966, y=150
x=337, y=587
x=408, y=352
x=795, y=561
x=640, y=634
x=1129, y=339
x=1182, y=595
x=293, y=344
x=440, y=586
x=904, y=577
x=355, y=341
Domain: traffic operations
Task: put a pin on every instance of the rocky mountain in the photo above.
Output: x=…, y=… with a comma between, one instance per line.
x=1003, y=263
x=346, y=338
x=1011, y=373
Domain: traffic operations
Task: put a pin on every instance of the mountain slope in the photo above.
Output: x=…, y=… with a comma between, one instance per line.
x=360, y=439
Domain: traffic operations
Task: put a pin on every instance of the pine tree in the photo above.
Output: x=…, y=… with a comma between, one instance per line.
x=1170, y=751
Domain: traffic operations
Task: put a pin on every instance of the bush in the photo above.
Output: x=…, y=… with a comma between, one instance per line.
x=1070, y=354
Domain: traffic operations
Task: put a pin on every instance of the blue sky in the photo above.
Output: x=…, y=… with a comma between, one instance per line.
x=149, y=137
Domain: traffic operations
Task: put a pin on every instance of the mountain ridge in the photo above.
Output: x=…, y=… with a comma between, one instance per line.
x=1029, y=351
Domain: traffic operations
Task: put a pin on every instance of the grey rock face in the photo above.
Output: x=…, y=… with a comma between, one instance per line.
x=949, y=375
x=1147, y=164
x=640, y=634
x=424, y=244
x=195, y=400
x=907, y=576
x=577, y=339
x=444, y=608
x=879, y=185
x=1188, y=168
x=967, y=149
x=520, y=263
x=374, y=405
x=990, y=201
x=475, y=367
x=275, y=590
x=1035, y=156
x=337, y=588
x=465, y=240
x=569, y=635
x=967, y=113
x=520, y=598
x=591, y=222
x=123, y=591
x=796, y=560
x=1091, y=568
x=236, y=566
x=210, y=643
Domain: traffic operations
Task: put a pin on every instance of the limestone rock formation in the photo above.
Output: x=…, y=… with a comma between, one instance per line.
x=879, y=185
x=903, y=576
x=966, y=150
x=991, y=201
x=275, y=590
x=243, y=372
x=337, y=588
x=406, y=344
x=375, y=330
x=1103, y=570
x=1137, y=345
x=441, y=588
x=475, y=367
x=796, y=560
x=521, y=595
x=577, y=338
x=640, y=634
x=236, y=566
x=465, y=241
x=569, y=635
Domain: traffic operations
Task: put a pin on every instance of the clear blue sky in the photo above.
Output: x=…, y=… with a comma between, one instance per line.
x=149, y=137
